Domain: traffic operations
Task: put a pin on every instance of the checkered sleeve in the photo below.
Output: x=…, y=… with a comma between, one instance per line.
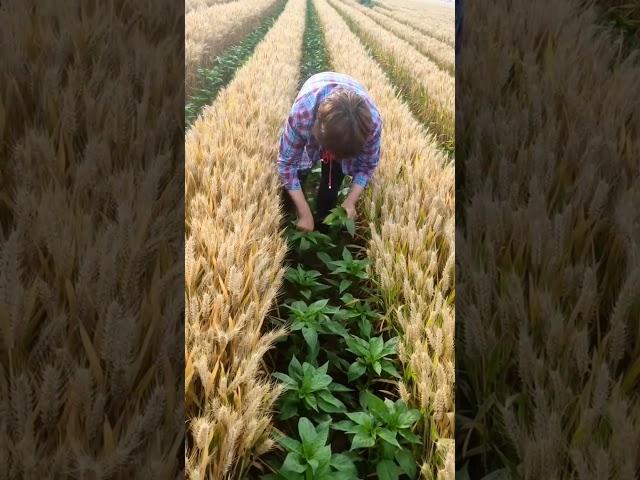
x=290, y=152
x=369, y=157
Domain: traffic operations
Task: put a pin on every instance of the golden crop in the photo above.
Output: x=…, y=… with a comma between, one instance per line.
x=438, y=52
x=90, y=185
x=549, y=239
x=209, y=30
x=432, y=21
x=234, y=255
x=410, y=208
x=430, y=89
x=195, y=4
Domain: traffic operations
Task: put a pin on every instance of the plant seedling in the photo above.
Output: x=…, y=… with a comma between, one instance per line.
x=306, y=281
x=371, y=356
x=310, y=388
x=386, y=426
x=311, y=457
x=313, y=320
x=362, y=312
x=347, y=268
x=309, y=241
x=338, y=219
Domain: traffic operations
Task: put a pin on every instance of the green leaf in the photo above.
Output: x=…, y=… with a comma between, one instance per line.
x=387, y=470
x=345, y=426
x=407, y=463
x=361, y=418
x=311, y=337
x=320, y=382
x=362, y=441
x=344, y=284
x=290, y=444
x=286, y=380
x=356, y=370
x=293, y=463
x=388, y=436
x=410, y=437
x=390, y=369
x=346, y=255
x=376, y=345
x=304, y=244
x=377, y=368
x=311, y=402
x=323, y=456
x=306, y=431
x=408, y=418
x=351, y=226
x=375, y=405
x=342, y=463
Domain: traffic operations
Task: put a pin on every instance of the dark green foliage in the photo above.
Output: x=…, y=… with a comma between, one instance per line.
x=222, y=71
x=315, y=58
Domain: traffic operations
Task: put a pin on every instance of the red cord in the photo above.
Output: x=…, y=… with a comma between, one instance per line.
x=327, y=156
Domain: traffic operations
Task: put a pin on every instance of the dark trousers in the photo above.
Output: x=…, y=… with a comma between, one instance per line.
x=327, y=197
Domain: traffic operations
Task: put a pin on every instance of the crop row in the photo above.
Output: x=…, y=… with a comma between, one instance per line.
x=410, y=208
x=211, y=30
x=234, y=256
x=432, y=29
x=429, y=90
x=437, y=51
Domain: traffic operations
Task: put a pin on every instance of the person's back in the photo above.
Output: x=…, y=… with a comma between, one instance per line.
x=333, y=118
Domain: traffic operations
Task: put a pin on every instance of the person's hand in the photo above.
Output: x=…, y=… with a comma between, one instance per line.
x=351, y=209
x=305, y=223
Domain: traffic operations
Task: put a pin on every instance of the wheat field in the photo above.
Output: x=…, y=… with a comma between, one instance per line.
x=237, y=252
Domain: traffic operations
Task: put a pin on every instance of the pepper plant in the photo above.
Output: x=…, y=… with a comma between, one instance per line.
x=385, y=426
x=314, y=319
x=310, y=458
x=372, y=356
x=306, y=281
x=309, y=388
x=348, y=268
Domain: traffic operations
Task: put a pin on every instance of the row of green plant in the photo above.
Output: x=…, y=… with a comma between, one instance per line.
x=336, y=417
x=427, y=111
x=221, y=72
x=315, y=57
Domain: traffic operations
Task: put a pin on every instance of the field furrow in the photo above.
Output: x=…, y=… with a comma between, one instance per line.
x=234, y=256
x=211, y=30
x=440, y=53
x=429, y=91
x=410, y=207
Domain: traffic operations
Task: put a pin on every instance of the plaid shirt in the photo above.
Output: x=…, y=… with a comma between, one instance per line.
x=299, y=150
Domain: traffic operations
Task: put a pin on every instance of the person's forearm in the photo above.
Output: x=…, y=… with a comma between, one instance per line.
x=300, y=202
x=354, y=194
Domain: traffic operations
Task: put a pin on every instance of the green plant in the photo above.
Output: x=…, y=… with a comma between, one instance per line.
x=309, y=387
x=338, y=220
x=348, y=267
x=310, y=458
x=385, y=426
x=360, y=311
x=372, y=356
x=306, y=281
x=314, y=319
x=305, y=241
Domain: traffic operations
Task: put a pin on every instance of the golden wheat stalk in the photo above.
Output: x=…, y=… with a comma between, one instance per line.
x=437, y=29
x=549, y=241
x=234, y=256
x=211, y=29
x=410, y=207
x=426, y=74
x=438, y=52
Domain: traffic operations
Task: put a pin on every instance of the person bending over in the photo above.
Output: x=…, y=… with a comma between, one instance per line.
x=333, y=120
